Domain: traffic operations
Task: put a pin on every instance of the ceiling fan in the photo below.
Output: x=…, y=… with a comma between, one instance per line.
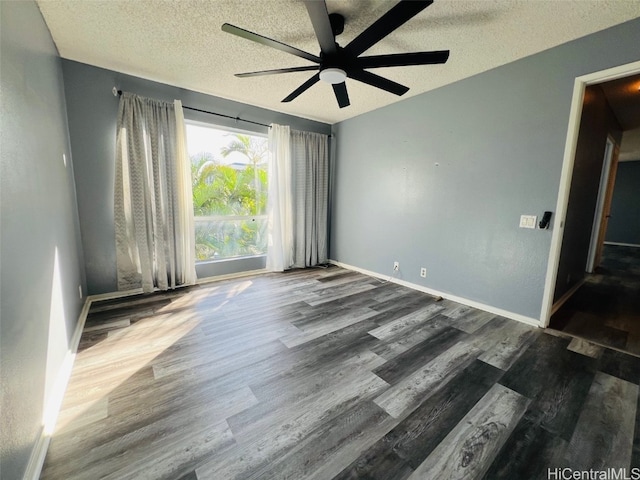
x=335, y=63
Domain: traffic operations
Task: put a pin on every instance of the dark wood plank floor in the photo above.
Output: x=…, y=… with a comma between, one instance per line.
x=327, y=373
x=606, y=309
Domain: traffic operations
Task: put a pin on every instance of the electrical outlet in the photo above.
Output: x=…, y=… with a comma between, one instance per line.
x=396, y=266
x=423, y=272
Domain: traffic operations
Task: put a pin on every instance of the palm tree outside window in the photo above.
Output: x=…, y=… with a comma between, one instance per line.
x=229, y=182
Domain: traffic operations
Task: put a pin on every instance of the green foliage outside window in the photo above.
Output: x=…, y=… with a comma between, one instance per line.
x=236, y=190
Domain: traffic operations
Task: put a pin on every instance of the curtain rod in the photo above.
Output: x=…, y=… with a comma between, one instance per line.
x=237, y=119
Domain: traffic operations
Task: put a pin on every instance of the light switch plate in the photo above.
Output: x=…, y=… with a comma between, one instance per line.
x=528, y=221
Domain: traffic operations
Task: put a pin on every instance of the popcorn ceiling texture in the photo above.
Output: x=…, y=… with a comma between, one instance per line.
x=180, y=42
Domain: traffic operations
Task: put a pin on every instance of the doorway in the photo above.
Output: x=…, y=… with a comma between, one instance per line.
x=584, y=204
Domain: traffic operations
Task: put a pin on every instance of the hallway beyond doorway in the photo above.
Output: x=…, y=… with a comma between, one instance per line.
x=606, y=309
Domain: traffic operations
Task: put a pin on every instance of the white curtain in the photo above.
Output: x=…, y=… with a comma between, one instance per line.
x=310, y=197
x=279, y=204
x=153, y=200
x=298, y=198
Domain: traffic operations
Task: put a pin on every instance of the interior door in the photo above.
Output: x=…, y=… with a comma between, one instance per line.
x=606, y=210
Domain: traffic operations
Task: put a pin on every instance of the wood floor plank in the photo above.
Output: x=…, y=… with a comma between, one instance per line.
x=409, y=443
x=470, y=448
x=335, y=292
x=395, y=345
x=530, y=373
x=396, y=294
x=330, y=351
x=224, y=363
x=407, y=394
x=171, y=460
x=493, y=332
x=134, y=303
x=530, y=452
x=455, y=310
x=268, y=438
x=107, y=325
x=591, y=327
x=328, y=449
x=620, y=365
x=277, y=376
x=406, y=322
x=303, y=412
x=291, y=384
x=377, y=462
x=558, y=382
x=132, y=437
x=314, y=315
x=405, y=302
x=603, y=437
x=126, y=426
x=516, y=339
x=417, y=356
x=585, y=348
x=320, y=330
x=285, y=393
x=82, y=414
x=472, y=320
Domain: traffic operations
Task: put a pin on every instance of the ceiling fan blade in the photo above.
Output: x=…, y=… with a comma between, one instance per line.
x=378, y=81
x=340, y=89
x=302, y=88
x=278, y=70
x=398, y=15
x=254, y=37
x=404, y=59
x=321, y=25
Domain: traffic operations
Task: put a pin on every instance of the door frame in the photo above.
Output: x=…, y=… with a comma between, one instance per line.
x=603, y=204
x=566, y=175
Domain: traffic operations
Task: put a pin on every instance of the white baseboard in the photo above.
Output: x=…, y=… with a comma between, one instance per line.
x=200, y=281
x=568, y=294
x=618, y=244
x=36, y=460
x=471, y=303
x=228, y=276
x=113, y=295
x=54, y=402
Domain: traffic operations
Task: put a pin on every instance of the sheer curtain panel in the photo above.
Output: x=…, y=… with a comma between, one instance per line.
x=153, y=205
x=298, y=198
x=279, y=206
x=310, y=197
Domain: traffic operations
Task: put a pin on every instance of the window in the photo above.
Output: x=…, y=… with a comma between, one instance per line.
x=229, y=180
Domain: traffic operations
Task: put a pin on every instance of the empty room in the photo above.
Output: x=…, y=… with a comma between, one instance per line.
x=309, y=239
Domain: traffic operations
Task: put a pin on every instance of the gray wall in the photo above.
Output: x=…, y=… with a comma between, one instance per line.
x=597, y=122
x=41, y=253
x=499, y=140
x=624, y=224
x=92, y=111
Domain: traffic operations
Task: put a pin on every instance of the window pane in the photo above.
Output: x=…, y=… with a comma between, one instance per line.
x=229, y=180
x=227, y=238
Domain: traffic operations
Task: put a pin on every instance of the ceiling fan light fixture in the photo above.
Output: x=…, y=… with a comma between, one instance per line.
x=333, y=75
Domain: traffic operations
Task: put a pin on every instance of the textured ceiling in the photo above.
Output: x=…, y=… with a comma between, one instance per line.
x=180, y=42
